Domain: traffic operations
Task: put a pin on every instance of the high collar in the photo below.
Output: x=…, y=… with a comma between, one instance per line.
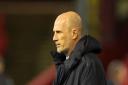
x=86, y=44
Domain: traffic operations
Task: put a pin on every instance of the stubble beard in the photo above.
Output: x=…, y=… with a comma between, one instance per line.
x=64, y=51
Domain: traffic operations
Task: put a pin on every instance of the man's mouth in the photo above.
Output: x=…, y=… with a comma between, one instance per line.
x=57, y=45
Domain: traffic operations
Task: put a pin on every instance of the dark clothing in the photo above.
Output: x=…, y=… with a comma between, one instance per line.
x=83, y=67
x=4, y=80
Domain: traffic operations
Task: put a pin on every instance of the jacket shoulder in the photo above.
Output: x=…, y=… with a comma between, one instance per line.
x=92, y=70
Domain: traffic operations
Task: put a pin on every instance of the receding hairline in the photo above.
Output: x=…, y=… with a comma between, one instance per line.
x=72, y=19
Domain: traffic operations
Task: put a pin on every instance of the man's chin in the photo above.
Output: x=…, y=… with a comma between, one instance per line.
x=59, y=51
x=62, y=51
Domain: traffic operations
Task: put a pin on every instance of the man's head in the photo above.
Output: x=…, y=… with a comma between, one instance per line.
x=67, y=31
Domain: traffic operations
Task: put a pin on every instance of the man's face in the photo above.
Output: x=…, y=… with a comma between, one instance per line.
x=62, y=36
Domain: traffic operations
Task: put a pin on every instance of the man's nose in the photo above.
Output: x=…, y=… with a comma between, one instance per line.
x=54, y=37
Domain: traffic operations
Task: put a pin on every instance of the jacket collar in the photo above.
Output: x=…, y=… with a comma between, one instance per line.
x=86, y=44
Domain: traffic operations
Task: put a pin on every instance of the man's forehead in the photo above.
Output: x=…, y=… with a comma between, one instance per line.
x=59, y=24
x=60, y=20
x=57, y=27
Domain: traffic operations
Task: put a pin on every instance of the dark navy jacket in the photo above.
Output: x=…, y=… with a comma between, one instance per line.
x=83, y=67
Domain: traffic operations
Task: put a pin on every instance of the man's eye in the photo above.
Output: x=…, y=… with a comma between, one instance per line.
x=58, y=32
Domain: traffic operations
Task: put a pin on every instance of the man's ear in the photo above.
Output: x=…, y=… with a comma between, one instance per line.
x=74, y=34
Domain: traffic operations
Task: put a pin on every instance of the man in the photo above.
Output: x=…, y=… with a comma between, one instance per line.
x=75, y=59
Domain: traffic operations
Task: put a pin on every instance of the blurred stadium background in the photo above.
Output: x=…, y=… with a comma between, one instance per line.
x=26, y=33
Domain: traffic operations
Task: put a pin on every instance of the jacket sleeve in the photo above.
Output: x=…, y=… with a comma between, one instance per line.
x=88, y=76
x=92, y=74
